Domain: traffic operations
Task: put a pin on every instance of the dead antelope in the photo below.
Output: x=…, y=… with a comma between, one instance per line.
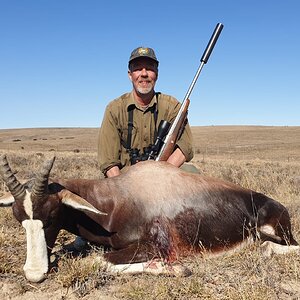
x=150, y=216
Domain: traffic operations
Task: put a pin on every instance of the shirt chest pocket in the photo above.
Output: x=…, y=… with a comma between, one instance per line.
x=123, y=133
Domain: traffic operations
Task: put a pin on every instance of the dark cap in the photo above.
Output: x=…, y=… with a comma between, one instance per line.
x=143, y=52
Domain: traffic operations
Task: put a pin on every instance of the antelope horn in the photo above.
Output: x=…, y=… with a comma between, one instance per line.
x=40, y=187
x=14, y=186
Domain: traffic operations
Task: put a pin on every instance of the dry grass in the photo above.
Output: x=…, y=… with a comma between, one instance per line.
x=269, y=164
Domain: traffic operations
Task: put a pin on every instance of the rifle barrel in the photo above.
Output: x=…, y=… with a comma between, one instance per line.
x=211, y=44
x=204, y=59
x=186, y=101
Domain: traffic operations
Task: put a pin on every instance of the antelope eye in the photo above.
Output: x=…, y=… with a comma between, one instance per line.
x=48, y=223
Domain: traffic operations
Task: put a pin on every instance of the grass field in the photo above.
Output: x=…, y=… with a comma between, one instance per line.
x=265, y=159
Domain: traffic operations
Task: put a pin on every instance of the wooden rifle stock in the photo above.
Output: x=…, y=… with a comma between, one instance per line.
x=178, y=125
x=174, y=132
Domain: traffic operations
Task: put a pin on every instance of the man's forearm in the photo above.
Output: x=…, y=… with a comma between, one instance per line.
x=177, y=158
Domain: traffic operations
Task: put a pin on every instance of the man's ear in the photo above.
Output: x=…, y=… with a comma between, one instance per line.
x=129, y=75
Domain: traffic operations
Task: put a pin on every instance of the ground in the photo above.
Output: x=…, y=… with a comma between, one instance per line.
x=266, y=159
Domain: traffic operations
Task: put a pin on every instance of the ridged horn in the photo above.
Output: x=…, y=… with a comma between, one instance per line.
x=14, y=186
x=40, y=187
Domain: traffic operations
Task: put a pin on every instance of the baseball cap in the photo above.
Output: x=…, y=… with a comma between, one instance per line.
x=143, y=52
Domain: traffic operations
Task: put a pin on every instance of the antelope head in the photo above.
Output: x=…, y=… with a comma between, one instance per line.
x=40, y=211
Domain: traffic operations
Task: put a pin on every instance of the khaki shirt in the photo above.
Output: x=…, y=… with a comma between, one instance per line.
x=114, y=129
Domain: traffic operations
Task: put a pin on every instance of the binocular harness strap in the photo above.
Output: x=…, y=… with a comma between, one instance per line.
x=130, y=123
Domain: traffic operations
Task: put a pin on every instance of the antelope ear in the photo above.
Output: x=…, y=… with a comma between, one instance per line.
x=7, y=200
x=75, y=201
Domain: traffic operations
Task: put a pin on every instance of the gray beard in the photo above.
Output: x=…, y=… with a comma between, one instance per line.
x=145, y=91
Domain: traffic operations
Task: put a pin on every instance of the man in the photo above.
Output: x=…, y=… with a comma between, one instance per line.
x=144, y=109
x=131, y=121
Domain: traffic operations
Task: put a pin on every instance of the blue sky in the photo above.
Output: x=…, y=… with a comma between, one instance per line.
x=62, y=61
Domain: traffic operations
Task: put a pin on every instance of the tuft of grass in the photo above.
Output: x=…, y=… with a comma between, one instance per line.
x=83, y=274
x=12, y=241
x=275, y=179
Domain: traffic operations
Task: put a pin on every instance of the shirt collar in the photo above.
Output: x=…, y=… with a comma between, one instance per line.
x=131, y=101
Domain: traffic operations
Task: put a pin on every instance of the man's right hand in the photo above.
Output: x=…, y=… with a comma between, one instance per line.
x=112, y=172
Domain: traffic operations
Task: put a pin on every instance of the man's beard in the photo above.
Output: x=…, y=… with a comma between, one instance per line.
x=145, y=91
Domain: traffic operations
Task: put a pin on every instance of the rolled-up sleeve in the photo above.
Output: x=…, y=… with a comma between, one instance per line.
x=185, y=141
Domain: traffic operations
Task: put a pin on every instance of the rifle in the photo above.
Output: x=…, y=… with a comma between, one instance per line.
x=167, y=136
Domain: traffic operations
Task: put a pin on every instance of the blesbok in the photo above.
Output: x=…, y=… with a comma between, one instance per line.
x=150, y=216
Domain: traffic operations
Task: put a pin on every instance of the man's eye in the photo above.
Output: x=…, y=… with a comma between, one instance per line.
x=148, y=68
x=137, y=69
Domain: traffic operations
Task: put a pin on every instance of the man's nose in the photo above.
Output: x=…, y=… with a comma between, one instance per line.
x=144, y=72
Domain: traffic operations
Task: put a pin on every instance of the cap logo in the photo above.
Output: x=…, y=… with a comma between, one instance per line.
x=143, y=51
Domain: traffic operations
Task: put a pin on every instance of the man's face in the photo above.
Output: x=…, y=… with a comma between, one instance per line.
x=143, y=74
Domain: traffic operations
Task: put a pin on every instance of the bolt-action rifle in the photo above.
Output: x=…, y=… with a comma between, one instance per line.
x=168, y=134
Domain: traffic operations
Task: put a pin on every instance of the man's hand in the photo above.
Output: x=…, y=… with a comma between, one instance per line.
x=177, y=158
x=114, y=171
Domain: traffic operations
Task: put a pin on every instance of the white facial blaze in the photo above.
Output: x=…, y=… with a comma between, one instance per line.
x=36, y=265
x=28, y=205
